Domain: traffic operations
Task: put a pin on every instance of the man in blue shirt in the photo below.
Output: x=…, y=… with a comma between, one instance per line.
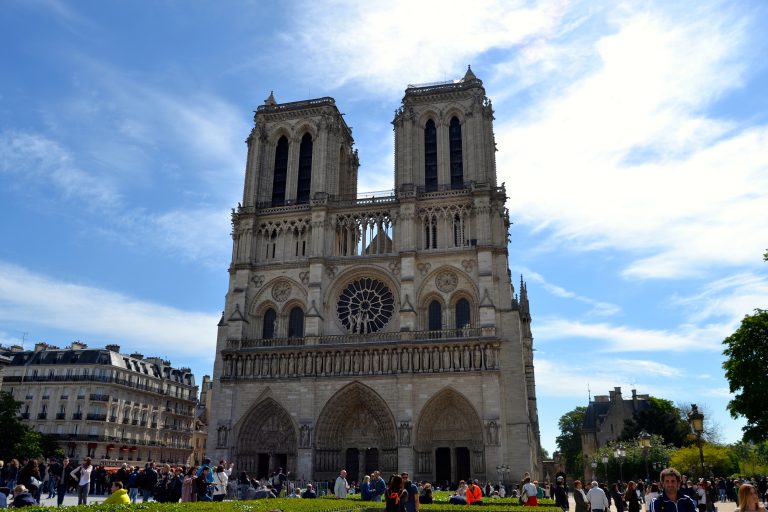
x=378, y=486
x=672, y=500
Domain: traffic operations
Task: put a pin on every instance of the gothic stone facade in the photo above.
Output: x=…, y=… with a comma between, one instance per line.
x=375, y=332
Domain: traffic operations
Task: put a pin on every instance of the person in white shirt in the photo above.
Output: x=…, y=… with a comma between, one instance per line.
x=341, y=487
x=220, y=481
x=84, y=480
x=598, y=501
x=530, y=493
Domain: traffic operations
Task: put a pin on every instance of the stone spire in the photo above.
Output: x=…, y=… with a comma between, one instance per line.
x=469, y=75
x=525, y=312
x=271, y=99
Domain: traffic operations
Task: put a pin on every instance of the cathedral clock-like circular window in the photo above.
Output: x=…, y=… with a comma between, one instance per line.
x=365, y=305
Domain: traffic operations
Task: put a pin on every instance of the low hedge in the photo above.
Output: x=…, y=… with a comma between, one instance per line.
x=299, y=505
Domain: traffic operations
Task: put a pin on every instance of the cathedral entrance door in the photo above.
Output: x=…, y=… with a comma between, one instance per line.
x=352, y=464
x=262, y=471
x=371, y=460
x=463, y=468
x=279, y=460
x=442, y=465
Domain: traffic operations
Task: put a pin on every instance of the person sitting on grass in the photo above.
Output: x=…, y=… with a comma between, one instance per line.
x=309, y=492
x=119, y=495
x=22, y=498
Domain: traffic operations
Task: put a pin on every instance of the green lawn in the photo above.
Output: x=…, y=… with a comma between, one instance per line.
x=325, y=504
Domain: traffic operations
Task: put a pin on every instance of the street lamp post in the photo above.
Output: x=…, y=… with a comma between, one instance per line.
x=696, y=420
x=605, y=467
x=594, y=469
x=645, y=442
x=620, y=454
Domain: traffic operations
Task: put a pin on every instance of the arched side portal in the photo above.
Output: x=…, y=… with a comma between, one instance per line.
x=267, y=440
x=449, y=440
x=355, y=430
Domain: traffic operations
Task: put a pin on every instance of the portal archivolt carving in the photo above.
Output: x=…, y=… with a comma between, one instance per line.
x=449, y=419
x=356, y=416
x=268, y=429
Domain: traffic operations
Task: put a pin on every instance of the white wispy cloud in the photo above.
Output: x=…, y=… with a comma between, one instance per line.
x=627, y=157
x=40, y=163
x=599, y=308
x=104, y=315
x=378, y=46
x=576, y=378
x=609, y=338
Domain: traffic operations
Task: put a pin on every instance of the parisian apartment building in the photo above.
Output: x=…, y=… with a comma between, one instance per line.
x=103, y=404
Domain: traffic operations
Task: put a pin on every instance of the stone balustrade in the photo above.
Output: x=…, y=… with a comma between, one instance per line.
x=382, y=358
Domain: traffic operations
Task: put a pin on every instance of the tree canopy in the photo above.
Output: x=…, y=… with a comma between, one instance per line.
x=746, y=355
x=662, y=419
x=19, y=441
x=569, y=440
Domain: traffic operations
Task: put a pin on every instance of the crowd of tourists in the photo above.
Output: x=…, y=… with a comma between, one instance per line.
x=31, y=482
x=684, y=494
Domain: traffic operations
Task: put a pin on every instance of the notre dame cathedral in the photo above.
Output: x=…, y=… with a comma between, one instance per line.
x=368, y=332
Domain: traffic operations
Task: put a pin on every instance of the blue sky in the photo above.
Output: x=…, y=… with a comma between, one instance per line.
x=632, y=137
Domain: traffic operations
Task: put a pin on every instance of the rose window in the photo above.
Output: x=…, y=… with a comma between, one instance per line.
x=365, y=305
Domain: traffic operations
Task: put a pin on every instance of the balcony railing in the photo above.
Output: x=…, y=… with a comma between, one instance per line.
x=42, y=415
x=24, y=415
x=77, y=416
x=99, y=398
x=113, y=419
x=361, y=339
x=61, y=416
x=102, y=379
x=126, y=421
x=97, y=417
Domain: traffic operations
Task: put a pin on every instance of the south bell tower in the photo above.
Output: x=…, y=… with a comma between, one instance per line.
x=375, y=332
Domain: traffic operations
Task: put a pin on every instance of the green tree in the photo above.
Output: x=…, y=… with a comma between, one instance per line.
x=746, y=355
x=569, y=440
x=688, y=460
x=13, y=431
x=661, y=418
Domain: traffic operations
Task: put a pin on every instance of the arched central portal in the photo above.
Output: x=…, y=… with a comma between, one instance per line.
x=449, y=440
x=267, y=440
x=356, y=431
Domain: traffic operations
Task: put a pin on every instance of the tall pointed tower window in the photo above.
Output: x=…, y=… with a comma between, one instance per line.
x=435, y=316
x=268, y=330
x=457, y=164
x=281, y=172
x=430, y=157
x=305, y=169
x=296, y=323
x=463, y=320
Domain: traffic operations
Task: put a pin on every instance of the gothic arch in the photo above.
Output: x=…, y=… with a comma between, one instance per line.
x=305, y=127
x=423, y=309
x=266, y=432
x=464, y=284
x=426, y=116
x=354, y=414
x=280, y=130
x=355, y=426
x=262, y=294
x=452, y=111
x=448, y=419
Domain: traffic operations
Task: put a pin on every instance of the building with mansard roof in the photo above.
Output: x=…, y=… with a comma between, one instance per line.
x=375, y=331
x=100, y=403
x=604, y=421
